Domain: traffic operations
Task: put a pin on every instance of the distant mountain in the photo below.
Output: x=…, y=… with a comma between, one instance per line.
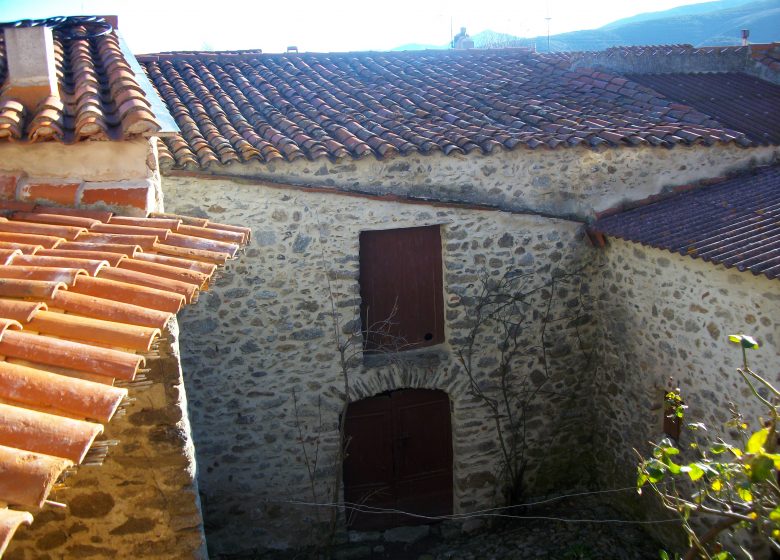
x=419, y=47
x=687, y=10
x=706, y=24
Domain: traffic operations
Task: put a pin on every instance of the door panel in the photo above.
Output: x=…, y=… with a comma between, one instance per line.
x=424, y=457
x=399, y=456
x=369, y=442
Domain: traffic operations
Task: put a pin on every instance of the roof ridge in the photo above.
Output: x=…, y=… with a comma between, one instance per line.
x=259, y=53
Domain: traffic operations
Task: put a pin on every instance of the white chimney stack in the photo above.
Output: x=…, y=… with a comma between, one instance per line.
x=32, y=72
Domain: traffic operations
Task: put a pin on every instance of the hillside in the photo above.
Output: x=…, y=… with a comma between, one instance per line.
x=708, y=23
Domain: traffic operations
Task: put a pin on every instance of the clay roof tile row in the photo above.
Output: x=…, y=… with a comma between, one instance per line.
x=354, y=105
x=99, y=96
x=79, y=308
x=734, y=223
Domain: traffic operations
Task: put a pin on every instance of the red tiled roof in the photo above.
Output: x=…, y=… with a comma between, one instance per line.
x=735, y=223
x=99, y=96
x=737, y=100
x=245, y=107
x=767, y=54
x=83, y=296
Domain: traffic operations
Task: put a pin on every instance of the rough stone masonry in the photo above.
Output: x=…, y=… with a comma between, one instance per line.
x=277, y=340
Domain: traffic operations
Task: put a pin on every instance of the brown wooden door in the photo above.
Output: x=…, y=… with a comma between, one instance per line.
x=398, y=456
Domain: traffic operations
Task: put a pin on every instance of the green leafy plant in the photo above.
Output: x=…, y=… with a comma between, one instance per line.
x=734, y=484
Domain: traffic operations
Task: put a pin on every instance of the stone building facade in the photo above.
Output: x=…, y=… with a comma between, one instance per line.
x=510, y=155
x=276, y=307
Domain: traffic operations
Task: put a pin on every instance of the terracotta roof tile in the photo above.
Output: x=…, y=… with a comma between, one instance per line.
x=10, y=521
x=737, y=100
x=99, y=96
x=74, y=317
x=767, y=54
x=353, y=105
x=28, y=477
x=734, y=223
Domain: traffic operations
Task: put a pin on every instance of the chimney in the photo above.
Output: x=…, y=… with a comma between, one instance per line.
x=745, y=35
x=32, y=73
x=292, y=49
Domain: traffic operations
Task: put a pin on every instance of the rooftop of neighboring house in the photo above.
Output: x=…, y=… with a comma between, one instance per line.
x=88, y=280
x=735, y=222
x=235, y=107
x=84, y=295
x=98, y=90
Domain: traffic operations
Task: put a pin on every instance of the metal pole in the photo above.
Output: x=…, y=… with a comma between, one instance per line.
x=548, y=18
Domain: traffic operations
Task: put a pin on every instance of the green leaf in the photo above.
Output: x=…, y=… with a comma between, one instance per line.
x=718, y=447
x=673, y=467
x=743, y=490
x=774, y=515
x=663, y=554
x=655, y=471
x=725, y=555
x=695, y=471
x=775, y=457
x=744, y=340
x=641, y=480
x=761, y=468
x=757, y=441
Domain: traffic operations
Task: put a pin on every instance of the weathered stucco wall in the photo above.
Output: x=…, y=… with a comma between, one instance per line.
x=122, y=177
x=273, y=312
x=89, y=161
x=142, y=502
x=563, y=182
x=668, y=315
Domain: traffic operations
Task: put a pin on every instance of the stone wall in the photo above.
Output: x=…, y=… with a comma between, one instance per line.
x=142, y=501
x=668, y=315
x=656, y=60
x=567, y=182
x=273, y=313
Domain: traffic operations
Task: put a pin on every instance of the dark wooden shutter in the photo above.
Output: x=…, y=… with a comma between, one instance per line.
x=401, y=288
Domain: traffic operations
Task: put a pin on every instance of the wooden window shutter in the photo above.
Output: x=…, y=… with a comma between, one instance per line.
x=401, y=288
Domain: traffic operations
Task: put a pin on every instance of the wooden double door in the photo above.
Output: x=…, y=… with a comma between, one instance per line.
x=399, y=457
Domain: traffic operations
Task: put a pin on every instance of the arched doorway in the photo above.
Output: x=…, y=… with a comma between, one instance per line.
x=398, y=456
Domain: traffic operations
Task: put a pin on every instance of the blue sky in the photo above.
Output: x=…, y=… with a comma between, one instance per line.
x=311, y=25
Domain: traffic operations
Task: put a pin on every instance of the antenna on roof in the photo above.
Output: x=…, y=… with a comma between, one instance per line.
x=548, y=18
